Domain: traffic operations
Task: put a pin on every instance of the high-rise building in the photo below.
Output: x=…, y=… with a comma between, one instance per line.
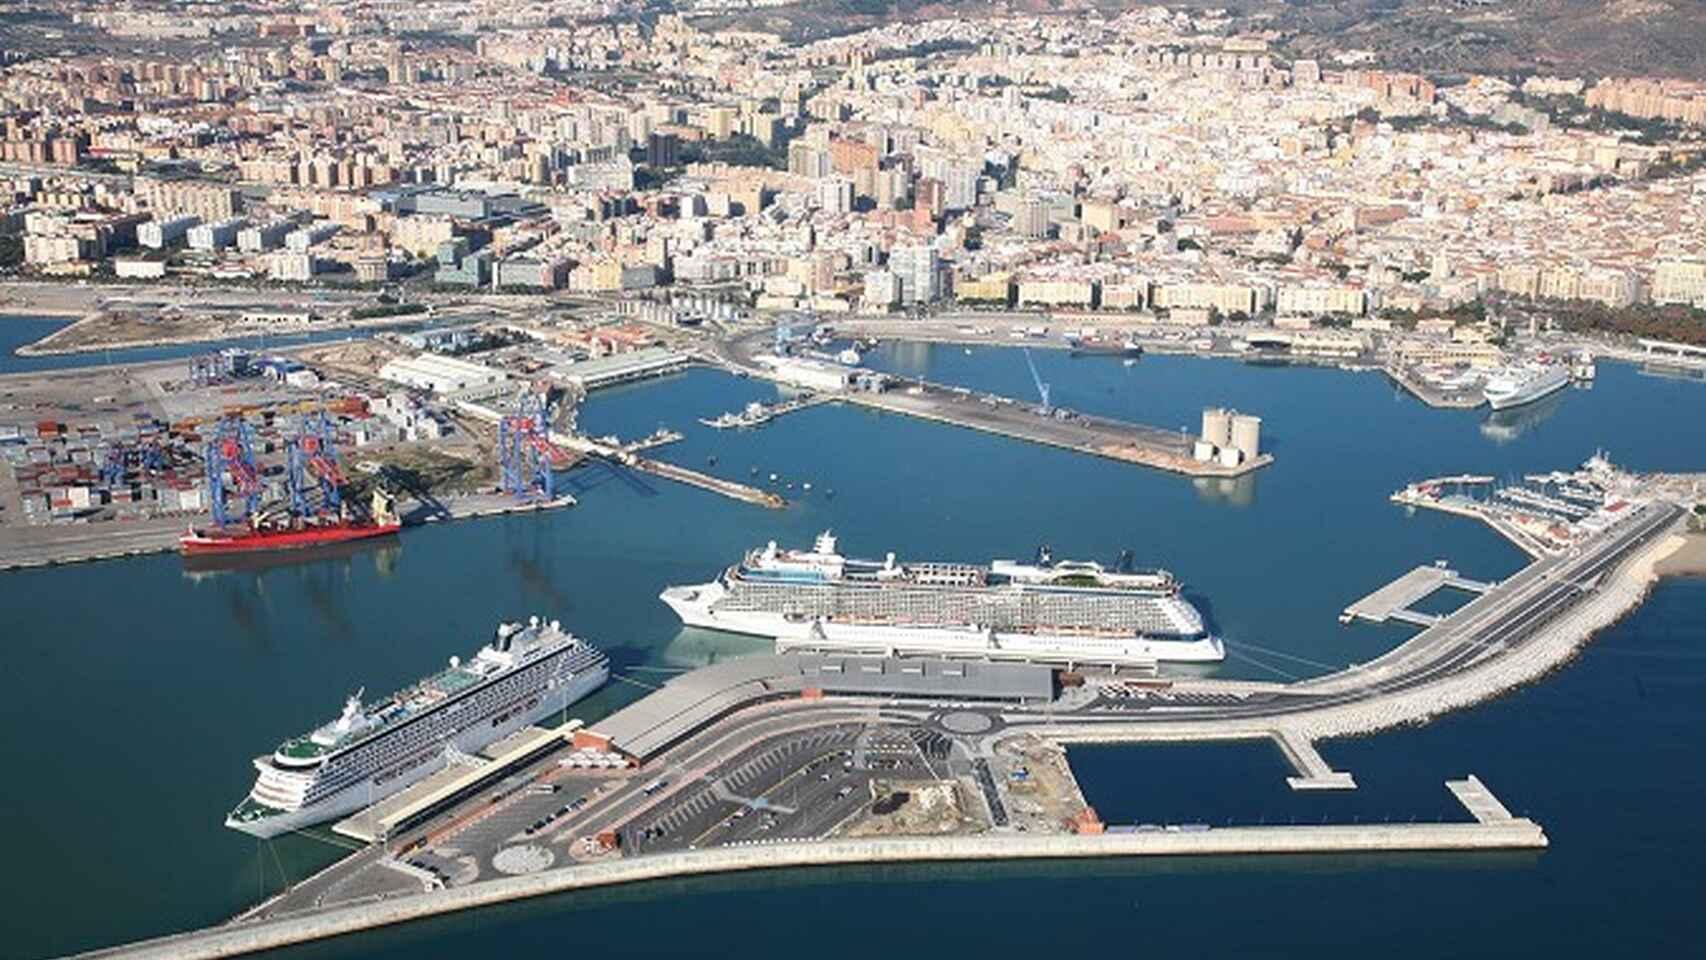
x=662, y=149
x=918, y=273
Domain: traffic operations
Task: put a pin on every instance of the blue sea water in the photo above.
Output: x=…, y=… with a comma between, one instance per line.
x=152, y=688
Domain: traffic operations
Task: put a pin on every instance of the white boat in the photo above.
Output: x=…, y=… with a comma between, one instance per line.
x=1525, y=383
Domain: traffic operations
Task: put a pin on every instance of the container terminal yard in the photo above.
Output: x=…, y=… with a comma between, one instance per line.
x=799, y=759
x=111, y=462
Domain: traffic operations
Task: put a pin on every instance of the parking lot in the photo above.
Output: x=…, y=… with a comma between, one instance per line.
x=798, y=785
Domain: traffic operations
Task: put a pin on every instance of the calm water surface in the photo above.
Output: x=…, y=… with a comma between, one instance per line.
x=140, y=692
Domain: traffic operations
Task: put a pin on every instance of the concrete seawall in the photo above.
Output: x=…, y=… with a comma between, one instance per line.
x=240, y=938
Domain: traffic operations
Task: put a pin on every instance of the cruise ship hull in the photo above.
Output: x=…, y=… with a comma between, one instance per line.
x=366, y=791
x=696, y=606
x=1543, y=386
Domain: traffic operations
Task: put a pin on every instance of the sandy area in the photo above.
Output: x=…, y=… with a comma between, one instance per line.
x=1687, y=560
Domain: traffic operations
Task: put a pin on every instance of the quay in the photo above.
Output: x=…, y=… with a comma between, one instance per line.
x=52, y=546
x=1429, y=394
x=1069, y=430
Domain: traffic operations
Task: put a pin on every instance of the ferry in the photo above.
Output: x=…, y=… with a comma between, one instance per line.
x=1525, y=383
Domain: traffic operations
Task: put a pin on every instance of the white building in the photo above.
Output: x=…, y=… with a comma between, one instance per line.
x=286, y=266
x=300, y=240
x=158, y=233
x=808, y=373
x=443, y=375
x=215, y=236
x=918, y=272
x=264, y=236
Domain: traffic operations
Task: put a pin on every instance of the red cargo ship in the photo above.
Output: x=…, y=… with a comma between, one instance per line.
x=294, y=536
x=197, y=542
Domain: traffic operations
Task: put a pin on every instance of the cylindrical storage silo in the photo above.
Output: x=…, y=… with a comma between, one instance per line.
x=1229, y=456
x=1217, y=426
x=1247, y=435
x=1204, y=451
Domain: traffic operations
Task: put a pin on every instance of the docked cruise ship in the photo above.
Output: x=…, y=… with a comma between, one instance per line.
x=1525, y=383
x=1050, y=611
x=527, y=672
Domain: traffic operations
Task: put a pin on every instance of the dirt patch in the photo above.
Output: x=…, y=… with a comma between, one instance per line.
x=913, y=808
x=1688, y=560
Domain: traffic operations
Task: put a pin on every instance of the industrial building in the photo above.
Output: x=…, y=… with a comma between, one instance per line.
x=808, y=373
x=439, y=374
x=617, y=368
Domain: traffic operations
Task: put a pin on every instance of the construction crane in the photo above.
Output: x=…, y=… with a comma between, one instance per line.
x=1042, y=388
x=231, y=453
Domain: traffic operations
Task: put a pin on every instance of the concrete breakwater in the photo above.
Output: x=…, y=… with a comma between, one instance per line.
x=1624, y=589
x=239, y=938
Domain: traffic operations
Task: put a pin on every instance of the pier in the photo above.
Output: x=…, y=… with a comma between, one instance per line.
x=1067, y=429
x=627, y=456
x=1478, y=800
x=1393, y=601
x=1314, y=771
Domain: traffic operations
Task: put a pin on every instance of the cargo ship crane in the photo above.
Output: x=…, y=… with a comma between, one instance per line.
x=231, y=452
x=313, y=457
x=527, y=457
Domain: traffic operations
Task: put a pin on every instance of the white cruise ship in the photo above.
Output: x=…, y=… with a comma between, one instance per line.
x=1059, y=612
x=527, y=672
x=1525, y=383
